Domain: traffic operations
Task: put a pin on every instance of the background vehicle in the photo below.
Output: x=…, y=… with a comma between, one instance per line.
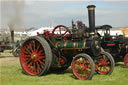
x=116, y=45
x=5, y=41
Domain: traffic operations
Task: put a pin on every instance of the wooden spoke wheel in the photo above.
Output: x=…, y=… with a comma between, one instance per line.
x=61, y=32
x=104, y=63
x=83, y=66
x=35, y=56
x=126, y=60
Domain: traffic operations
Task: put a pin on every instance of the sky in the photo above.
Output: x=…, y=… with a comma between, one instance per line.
x=40, y=13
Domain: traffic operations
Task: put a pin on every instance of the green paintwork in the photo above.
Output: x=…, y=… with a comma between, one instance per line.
x=70, y=44
x=52, y=39
x=67, y=44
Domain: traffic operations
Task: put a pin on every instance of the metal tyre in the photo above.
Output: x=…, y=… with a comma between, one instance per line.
x=35, y=56
x=83, y=67
x=104, y=63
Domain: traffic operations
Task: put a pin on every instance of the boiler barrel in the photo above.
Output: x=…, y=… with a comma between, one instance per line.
x=74, y=44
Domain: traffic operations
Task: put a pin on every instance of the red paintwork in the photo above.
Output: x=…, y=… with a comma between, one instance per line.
x=73, y=25
x=111, y=39
x=110, y=44
x=82, y=68
x=103, y=66
x=32, y=57
x=62, y=61
x=46, y=33
x=126, y=61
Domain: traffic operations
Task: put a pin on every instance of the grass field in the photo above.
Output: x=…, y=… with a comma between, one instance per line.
x=11, y=74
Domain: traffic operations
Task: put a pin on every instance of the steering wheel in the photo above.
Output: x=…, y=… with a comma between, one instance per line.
x=61, y=32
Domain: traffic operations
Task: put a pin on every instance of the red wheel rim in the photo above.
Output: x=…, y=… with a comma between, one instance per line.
x=126, y=61
x=81, y=68
x=32, y=57
x=62, y=31
x=103, y=65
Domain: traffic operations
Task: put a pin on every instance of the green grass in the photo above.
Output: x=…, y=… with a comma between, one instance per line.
x=11, y=74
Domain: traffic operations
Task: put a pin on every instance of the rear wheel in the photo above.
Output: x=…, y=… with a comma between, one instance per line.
x=35, y=56
x=83, y=66
x=126, y=60
x=104, y=63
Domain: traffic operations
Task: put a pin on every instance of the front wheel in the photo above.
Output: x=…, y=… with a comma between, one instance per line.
x=83, y=66
x=104, y=63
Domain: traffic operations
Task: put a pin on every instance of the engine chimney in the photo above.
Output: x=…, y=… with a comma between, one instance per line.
x=91, y=15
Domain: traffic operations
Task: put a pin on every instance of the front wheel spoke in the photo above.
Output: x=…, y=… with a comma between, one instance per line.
x=108, y=68
x=79, y=66
x=108, y=63
x=100, y=68
x=85, y=74
x=104, y=68
x=88, y=72
x=87, y=61
x=79, y=61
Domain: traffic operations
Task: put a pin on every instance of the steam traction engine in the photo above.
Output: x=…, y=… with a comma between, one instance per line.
x=116, y=45
x=56, y=51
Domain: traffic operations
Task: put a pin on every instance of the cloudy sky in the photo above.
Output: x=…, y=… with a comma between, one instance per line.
x=38, y=13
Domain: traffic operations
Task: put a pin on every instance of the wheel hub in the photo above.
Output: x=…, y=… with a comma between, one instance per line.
x=83, y=67
x=104, y=62
x=33, y=56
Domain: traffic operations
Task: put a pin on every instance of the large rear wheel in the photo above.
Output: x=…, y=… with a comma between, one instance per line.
x=83, y=66
x=35, y=56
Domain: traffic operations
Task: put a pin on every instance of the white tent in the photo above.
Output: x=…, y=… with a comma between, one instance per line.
x=40, y=31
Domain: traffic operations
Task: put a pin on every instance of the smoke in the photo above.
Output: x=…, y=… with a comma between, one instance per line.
x=16, y=21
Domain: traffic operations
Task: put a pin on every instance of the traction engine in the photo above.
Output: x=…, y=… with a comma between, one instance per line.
x=55, y=51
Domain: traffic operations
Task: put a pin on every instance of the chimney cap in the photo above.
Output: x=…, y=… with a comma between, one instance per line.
x=91, y=7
